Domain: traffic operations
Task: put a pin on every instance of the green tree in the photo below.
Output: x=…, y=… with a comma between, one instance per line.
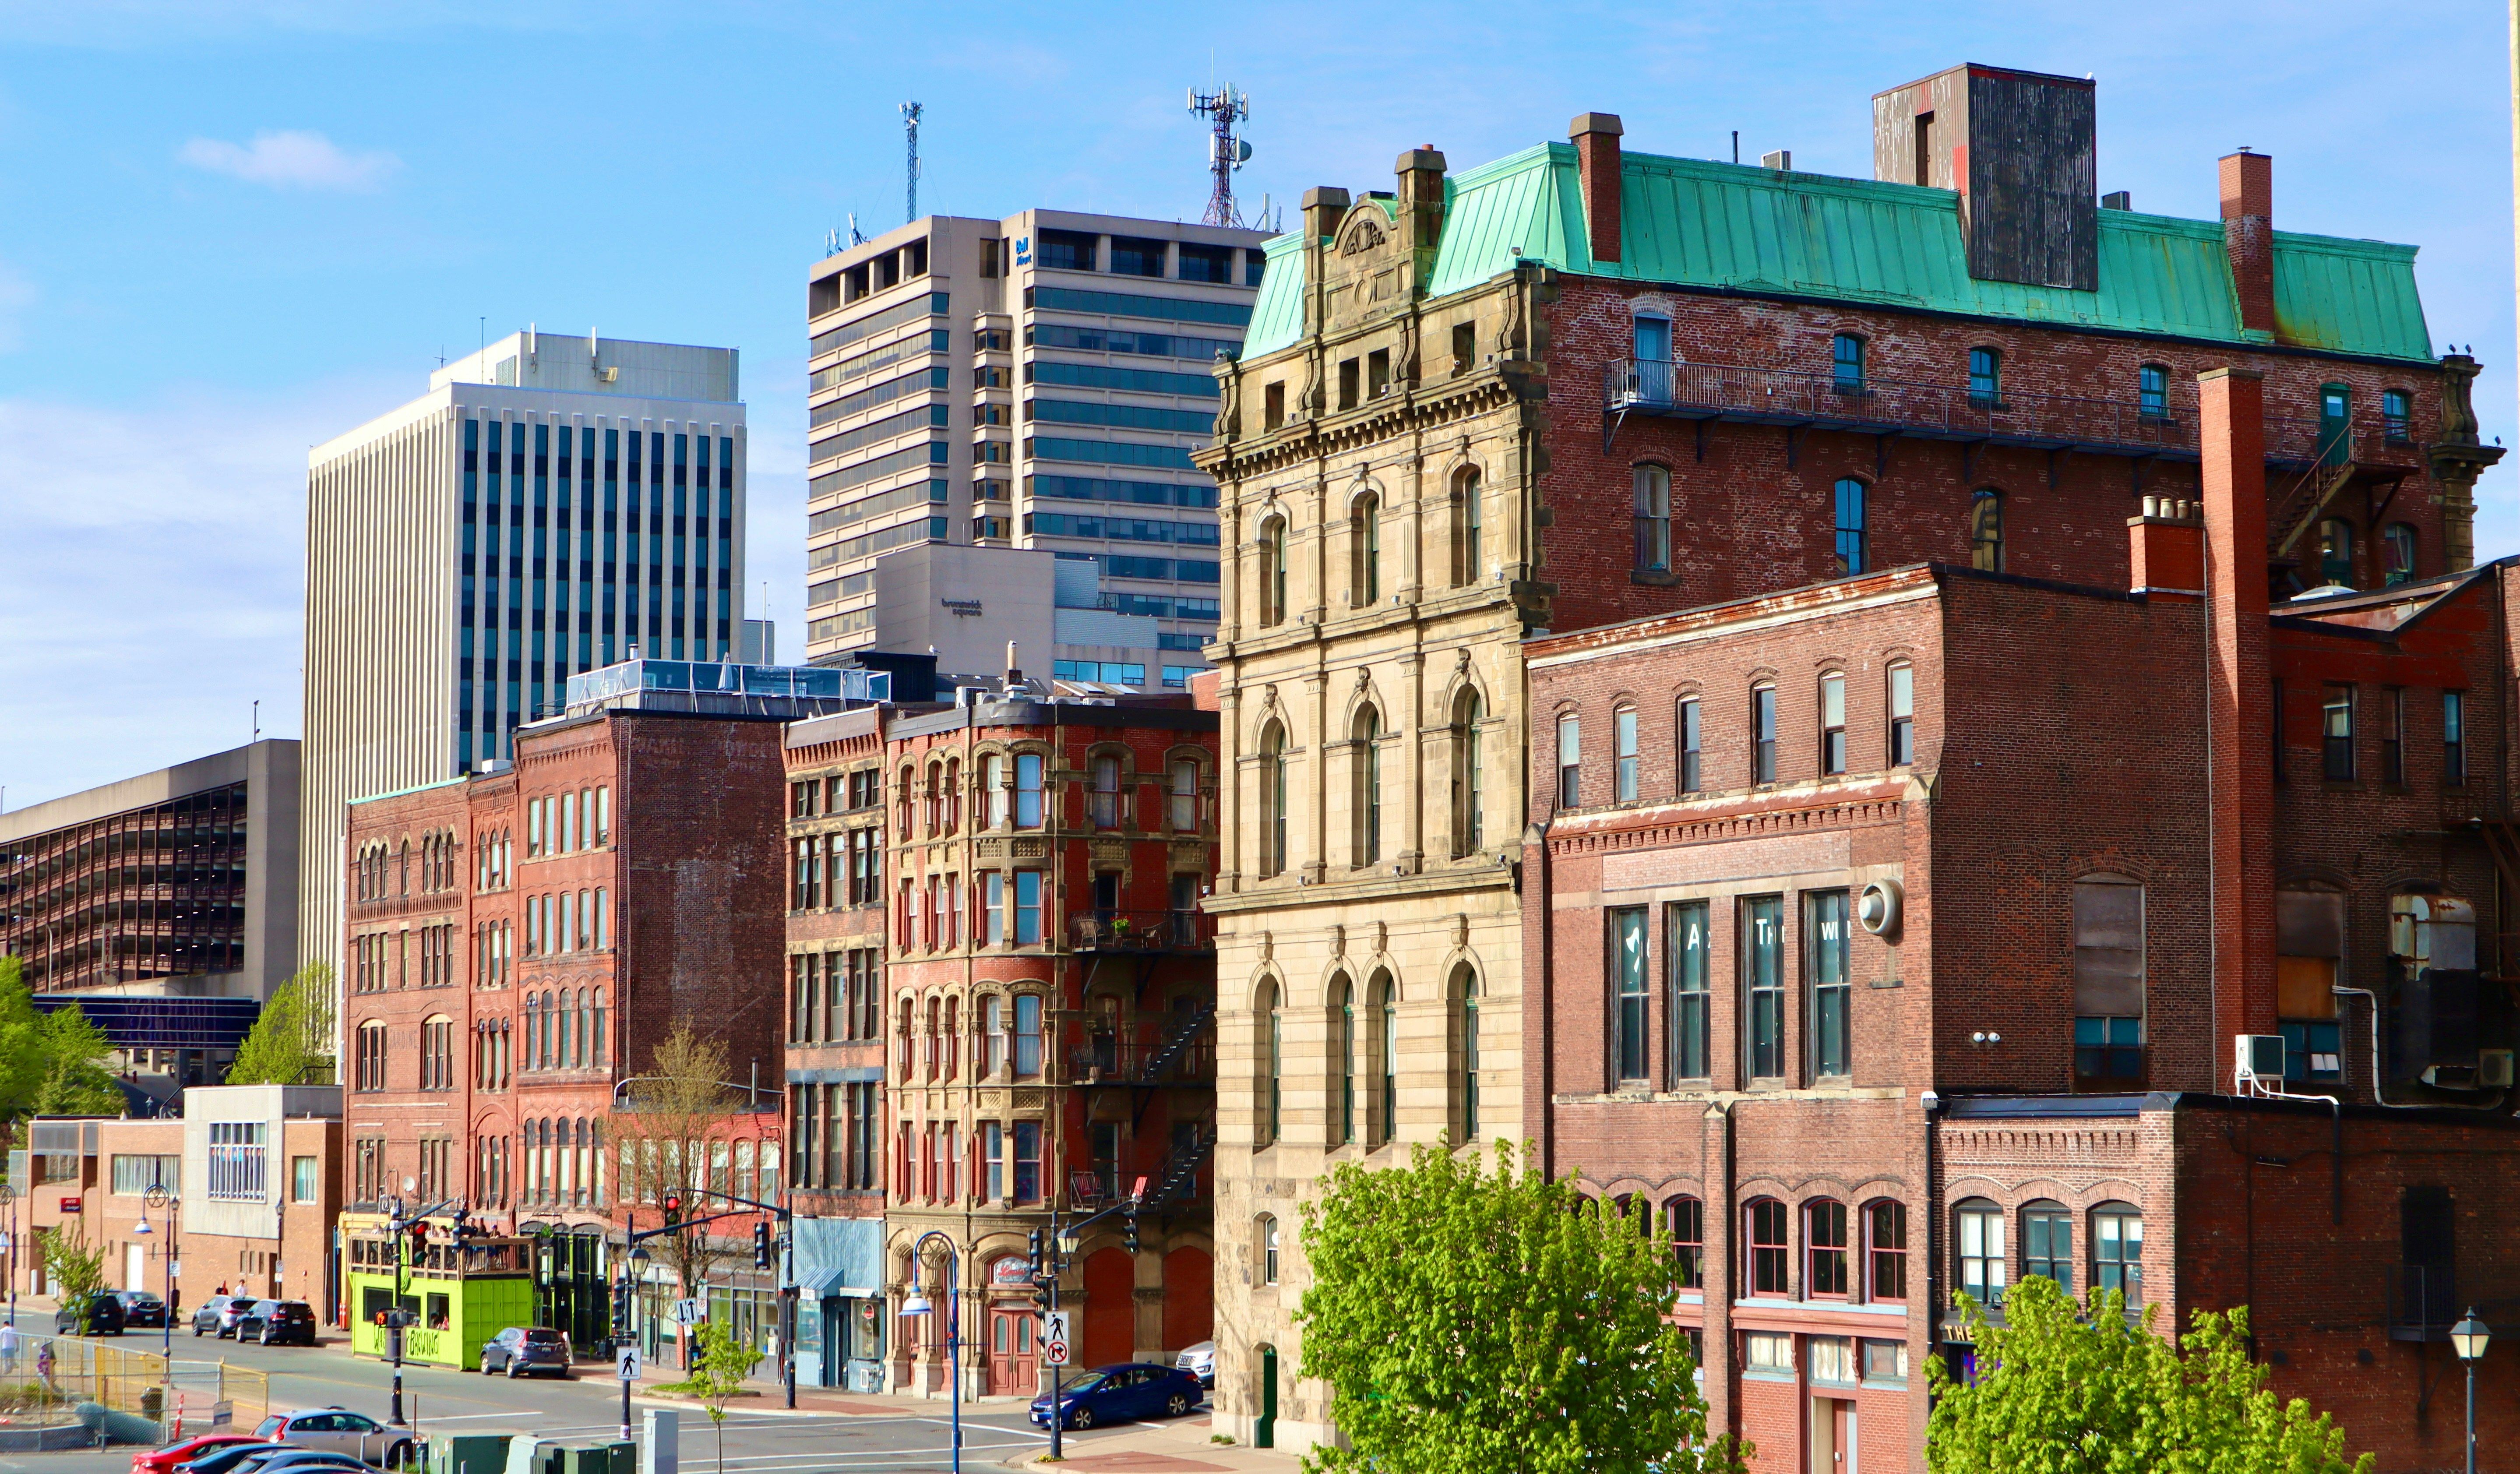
x=292, y=1038
x=76, y=1080
x=75, y=1267
x=2059, y=1390
x=718, y=1373
x=1469, y=1321
x=26, y=1059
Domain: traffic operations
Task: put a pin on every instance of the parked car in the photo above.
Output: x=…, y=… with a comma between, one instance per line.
x=95, y=1314
x=1198, y=1361
x=141, y=1309
x=250, y=1320
x=220, y=1314
x=224, y=1459
x=340, y=1431
x=1121, y=1392
x=163, y=1460
x=522, y=1349
x=291, y=1460
x=282, y=1323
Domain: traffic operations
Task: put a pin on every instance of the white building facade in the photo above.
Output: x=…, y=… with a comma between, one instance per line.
x=549, y=504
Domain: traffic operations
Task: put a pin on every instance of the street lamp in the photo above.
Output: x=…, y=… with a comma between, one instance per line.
x=2468, y=1338
x=166, y=1203
x=9, y=1199
x=916, y=1304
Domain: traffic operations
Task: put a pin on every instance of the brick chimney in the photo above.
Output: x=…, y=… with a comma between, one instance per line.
x=2166, y=552
x=2240, y=706
x=1596, y=153
x=2249, y=235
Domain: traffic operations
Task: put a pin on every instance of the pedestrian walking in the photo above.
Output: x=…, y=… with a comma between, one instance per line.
x=44, y=1363
x=8, y=1351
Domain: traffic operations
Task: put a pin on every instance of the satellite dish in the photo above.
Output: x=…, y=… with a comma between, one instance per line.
x=409, y=1183
x=1241, y=150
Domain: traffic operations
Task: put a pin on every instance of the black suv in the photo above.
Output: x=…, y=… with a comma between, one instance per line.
x=141, y=1309
x=282, y=1323
x=95, y=1314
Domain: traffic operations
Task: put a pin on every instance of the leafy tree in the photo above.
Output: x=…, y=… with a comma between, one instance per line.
x=677, y=1110
x=2061, y=1392
x=718, y=1374
x=76, y=1080
x=76, y=1267
x=292, y=1040
x=25, y=1057
x=1469, y=1321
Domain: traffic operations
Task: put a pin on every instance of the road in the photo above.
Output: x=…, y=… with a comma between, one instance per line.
x=758, y=1440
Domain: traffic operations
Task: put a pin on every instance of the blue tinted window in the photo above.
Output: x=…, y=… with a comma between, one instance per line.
x=1850, y=526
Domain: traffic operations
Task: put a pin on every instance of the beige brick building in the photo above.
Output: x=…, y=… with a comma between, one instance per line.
x=1375, y=460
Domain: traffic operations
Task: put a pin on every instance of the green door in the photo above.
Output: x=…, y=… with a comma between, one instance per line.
x=2335, y=424
x=1263, y=1434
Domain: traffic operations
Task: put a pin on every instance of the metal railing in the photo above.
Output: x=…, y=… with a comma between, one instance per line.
x=1117, y=931
x=2424, y=1302
x=1109, y=1058
x=1881, y=406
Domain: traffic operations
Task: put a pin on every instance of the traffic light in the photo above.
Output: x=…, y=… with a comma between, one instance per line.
x=1036, y=1251
x=621, y=1307
x=673, y=1209
x=419, y=1239
x=1131, y=1220
x=761, y=1244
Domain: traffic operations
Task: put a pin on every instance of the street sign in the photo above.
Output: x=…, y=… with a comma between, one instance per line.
x=628, y=1370
x=1054, y=1338
x=690, y=1311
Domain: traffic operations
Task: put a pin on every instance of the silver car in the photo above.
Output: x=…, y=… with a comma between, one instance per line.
x=1198, y=1361
x=340, y=1431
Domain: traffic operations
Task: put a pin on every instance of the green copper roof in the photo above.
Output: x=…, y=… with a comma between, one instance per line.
x=1697, y=223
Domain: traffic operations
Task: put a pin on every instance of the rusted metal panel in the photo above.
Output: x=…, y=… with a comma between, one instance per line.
x=2031, y=207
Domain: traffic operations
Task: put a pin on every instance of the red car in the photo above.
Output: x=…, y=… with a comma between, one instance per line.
x=163, y=1460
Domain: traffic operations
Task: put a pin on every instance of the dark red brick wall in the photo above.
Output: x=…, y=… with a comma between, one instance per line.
x=1750, y=518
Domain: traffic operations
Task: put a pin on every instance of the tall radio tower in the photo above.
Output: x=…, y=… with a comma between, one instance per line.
x=1225, y=152
x=909, y=126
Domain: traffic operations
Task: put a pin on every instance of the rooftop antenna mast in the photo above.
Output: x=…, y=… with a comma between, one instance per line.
x=1226, y=151
x=910, y=126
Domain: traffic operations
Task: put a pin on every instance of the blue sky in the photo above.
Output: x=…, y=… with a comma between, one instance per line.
x=233, y=228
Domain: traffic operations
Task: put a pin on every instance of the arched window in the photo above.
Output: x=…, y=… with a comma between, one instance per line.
x=1981, y=1268
x=1631, y=1046
x=1343, y=1048
x=1768, y=1252
x=1846, y=364
x=1386, y=1022
x=1272, y=570
x=1763, y=734
x=1465, y=527
x=1465, y=1026
x=1986, y=378
x=2398, y=554
x=1365, y=551
x=2117, y=1250
x=1688, y=744
x=2336, y=552
x=1885, y=1250
x=1027, y=1050
x=906, y=790
x=1469, y=796
x=1832, y=723
x=1273, y=800
x=1366, y=801
x=1182, y=810
x=1028, y=790
x=1623, y=754
x=2108, y=983
x=601, y=1042
x=950, y=802
x=993, y=1036
x=2047, y=1242
x=1825, y=1230
x=993, y=791
x=1986, y=530
x=370, y=1071
x=930, y=810
x=1570, y=760
x=1272, y=1060
x=1651, y=486
x=1901, y=698
x=1686, y=1220
x=1850, y=526
x=1265, y=1237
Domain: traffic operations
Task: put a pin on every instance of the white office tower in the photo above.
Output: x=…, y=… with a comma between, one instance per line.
x=550, y=503
x=1032, y=382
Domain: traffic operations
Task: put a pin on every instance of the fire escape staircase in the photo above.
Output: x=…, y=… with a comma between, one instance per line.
x=1181, y=1171
x=1176, y=1043
x=2308, y=501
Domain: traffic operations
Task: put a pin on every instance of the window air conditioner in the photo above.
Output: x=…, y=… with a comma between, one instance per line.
x=2260, y=1062
x=2494, y=1069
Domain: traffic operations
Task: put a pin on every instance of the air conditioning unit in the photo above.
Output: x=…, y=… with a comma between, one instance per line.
x=2494, y=1069
x=2258, y=1061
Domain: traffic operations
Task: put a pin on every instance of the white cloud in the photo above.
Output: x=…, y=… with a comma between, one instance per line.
x=291, y=160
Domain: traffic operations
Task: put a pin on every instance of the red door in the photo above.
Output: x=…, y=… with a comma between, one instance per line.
x=1189, y=1299
x=1111, y=1309
x=1015, y=1359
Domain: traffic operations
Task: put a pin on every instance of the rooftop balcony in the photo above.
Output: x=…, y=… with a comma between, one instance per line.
x=2052, y=422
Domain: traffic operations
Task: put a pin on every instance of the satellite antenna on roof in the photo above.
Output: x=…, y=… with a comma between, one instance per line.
x=1226, y=151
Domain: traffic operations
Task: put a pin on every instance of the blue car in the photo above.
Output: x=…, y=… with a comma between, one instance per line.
x=1120, y=1393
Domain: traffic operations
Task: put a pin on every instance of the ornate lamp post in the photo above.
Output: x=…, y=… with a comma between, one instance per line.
x=2468, y=1338
x=916, y=1304
x=9, y=1198
x=165, y=1202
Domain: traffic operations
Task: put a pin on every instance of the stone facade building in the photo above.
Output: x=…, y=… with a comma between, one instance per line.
x=1578, y=386
x=1051, y=1009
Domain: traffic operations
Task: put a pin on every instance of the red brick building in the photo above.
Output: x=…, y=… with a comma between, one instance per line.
x=1051, y=994
x=519, y=942
x=1890, y=938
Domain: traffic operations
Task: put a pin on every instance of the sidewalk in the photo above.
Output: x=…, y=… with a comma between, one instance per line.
x=1177, y=1445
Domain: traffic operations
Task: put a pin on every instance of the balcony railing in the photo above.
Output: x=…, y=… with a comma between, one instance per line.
x=1109, y=1060
x=1949, y=412
x=1141, y=931
x=2424, y=1302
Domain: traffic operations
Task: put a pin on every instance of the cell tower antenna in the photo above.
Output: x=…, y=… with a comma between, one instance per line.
x=857, y=236
x=1227, y=151
x=910, y=126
